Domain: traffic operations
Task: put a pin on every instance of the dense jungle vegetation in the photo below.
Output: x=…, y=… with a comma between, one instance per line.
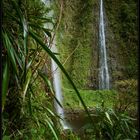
x=28, y=95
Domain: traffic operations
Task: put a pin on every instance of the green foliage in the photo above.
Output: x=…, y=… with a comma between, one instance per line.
x=27, y=107
x=24, y=114
x=111, y=125
x=6, y=138
x=127, y=95
x=106, y=98
x=75, y=40
x=124, y=24
x=40, y=124
x=22, y=59
x=5, y=83
x=69, y=135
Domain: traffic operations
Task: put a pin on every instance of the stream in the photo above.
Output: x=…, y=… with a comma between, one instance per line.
x=79, y=122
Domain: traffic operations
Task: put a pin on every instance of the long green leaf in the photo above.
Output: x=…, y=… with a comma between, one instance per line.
x=52, y=129
x=48, y=83
x=9, y=48
x=23, y=22
x=46, y=80
x=28, y=78
x=30, y=103
x=5, y=82
x=18, y=59
x=108, y=117
x=44, y=46
x=18, y=11
x=44, y=20
x=47, y=31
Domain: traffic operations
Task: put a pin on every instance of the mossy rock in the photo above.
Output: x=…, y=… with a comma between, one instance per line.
x=126, y=84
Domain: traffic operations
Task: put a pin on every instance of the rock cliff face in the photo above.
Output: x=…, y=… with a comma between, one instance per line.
x=79, y=41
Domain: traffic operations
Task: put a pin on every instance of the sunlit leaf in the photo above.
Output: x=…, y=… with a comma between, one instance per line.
x=52, y=129
x=108, y=117
x=28, y=78
x=29, y=104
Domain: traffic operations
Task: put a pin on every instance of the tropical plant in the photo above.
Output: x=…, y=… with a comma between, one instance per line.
x=22, y=57
x=27, y=93
x=111, y=125
x=23, y=31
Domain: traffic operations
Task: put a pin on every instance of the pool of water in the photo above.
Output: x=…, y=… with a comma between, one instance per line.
x=76, y=119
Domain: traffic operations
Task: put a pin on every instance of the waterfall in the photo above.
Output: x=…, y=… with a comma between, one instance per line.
x=57, y=88
x=103, y=67
x=56, y=75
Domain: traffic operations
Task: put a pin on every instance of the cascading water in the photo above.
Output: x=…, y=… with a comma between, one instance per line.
x=56, y=77
x=103, y=67
x=57, y=88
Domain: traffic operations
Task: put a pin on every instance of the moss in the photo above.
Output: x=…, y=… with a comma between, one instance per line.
x=78, y=40
x=122, y=16
x=76, y=36
x=92, y=98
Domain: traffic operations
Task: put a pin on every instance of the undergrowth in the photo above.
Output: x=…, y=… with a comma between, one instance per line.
x=91, y=98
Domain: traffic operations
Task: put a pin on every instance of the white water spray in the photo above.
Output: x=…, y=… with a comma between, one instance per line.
x=103, y=71
x=57, y=88
x=56, y=76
